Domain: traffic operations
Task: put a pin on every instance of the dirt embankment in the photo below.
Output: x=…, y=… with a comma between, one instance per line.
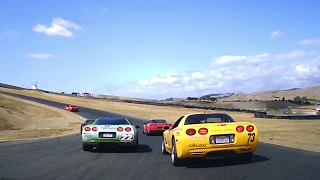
x=21, y=119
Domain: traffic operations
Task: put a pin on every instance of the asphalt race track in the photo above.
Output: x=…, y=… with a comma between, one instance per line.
x=63, y=158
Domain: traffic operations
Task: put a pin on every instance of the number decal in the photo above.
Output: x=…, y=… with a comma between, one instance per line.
x=251, y=137
x=126, y=137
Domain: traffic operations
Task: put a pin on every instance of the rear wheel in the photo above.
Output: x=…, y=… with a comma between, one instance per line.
x=135, y=147
x=148, y=134
x=86, y=147
x=163, y=147
x=174, y=157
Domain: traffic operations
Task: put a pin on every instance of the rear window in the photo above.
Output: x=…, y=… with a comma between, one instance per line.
x=89, y=121
x=208, y=118
x=158, y=121
x=112, y=121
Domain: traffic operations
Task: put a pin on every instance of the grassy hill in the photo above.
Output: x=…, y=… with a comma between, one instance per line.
x=10, y=86
x=309, y=92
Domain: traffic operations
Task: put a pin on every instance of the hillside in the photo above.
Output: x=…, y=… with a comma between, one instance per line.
x=309, y=92
x=10, y=86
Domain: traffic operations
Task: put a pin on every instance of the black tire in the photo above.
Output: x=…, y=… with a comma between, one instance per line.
x=163, y=147
x=174, y=157
x=135, y=148
x=86, y=147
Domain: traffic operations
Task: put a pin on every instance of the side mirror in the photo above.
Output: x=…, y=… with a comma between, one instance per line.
x=137, y=126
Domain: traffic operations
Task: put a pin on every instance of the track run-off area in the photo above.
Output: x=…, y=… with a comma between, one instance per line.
x=62, y=158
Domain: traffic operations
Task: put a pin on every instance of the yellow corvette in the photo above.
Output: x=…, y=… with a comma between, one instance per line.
x=209, y=136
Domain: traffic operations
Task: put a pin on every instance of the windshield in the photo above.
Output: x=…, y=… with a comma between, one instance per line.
x=112, y=121
x=208, y=118
x=158, y=121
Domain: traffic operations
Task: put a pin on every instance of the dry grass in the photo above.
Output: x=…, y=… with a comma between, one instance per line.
x=201, y=103
x=37, y=133
x=309, y=92
x=291, y=133
x=6, y=125
x=20, y=119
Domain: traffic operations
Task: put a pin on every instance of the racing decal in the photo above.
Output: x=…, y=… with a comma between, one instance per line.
x=197, y=138
x=251, y=137
x=87, y=136
x=197, y=145
x=108, y=127
x=126, y=137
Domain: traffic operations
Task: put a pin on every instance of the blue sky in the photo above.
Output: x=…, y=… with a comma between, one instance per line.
x=160, y=49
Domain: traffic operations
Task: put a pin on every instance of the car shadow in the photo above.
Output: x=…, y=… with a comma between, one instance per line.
x=206, y=163
x=143, y=148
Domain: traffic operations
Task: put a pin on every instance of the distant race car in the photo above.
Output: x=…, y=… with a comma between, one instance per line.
x=155, y=126
x=71, y=108
x=209, y=136
x=110, y=132
x=87, y=122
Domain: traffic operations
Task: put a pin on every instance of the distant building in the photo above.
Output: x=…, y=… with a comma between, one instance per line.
x=34, y=86
x=87, y=94
x=75, y=94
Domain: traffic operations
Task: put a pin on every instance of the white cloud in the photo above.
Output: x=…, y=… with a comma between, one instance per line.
x=276, y=34
x=170, y=77
x=260, y=58
x=197, y=75
x=252, y=73
x=39, y=55
x=59, y=27
x=310, y=41
x=233, y=59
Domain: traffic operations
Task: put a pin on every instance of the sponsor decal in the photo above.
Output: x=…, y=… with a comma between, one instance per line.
x=196, y=138
x=197, y=145
x=108, y=127
x=87, y=136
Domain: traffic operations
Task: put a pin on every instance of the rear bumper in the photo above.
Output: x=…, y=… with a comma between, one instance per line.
x=156, y=130
x=151, y=130
x=108, y=142
x=216, y=153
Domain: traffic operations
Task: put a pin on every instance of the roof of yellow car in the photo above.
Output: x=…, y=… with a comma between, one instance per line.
x=204, y=113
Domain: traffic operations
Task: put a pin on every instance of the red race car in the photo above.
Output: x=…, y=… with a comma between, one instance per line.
x=155, y=126
x=71, y=108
